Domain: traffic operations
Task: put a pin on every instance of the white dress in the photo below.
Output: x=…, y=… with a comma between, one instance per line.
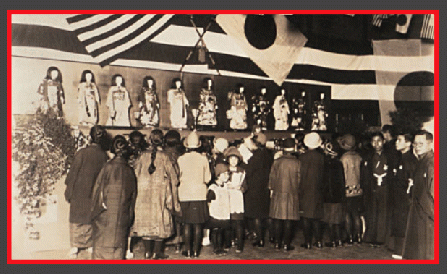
x=178, y=102
x=118, y=102
x=281, y=113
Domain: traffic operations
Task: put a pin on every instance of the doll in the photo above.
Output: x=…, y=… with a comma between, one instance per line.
x=88, y=99
x=148, y=103
x=179, y=104
x=261, y=109
x=207, y=105
x=51, y=91
x=118, y=102
x=238, y=108
x=319, y=115
x=299, y=112
x=281, y=111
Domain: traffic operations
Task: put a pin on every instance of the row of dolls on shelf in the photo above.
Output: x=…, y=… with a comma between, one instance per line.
x=119, y=103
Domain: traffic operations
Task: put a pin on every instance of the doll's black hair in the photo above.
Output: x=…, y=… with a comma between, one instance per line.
x=175, y=80
x=84, y=74
x=59, y=74
x=147, y=78
x=114, y=80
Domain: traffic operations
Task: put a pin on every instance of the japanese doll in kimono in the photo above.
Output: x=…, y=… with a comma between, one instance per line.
x=88, y=99
x=118, y=102
x=237, y=114
x=298, y=112
x=281, y=111
x=51, y=93
x=178, y=104
x=148, y=103
x=319, y=115
x=207, y=105
x=261, y=109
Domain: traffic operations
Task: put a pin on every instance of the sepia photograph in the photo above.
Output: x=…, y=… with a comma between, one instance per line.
x=224, y=136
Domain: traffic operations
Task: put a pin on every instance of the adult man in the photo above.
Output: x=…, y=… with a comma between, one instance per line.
x=419, y=236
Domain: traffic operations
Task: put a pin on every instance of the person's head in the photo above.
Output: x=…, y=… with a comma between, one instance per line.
x=220, y=144
x=156, y=137
x=347, y=142
x=222, y=174
x=192, y=142
x=136, y=139
x=208, y=83
x=149, y=82
x=172, y=138
x=377, y=141
x=118, y=80
x=422, y=143
x=233, y=156
x=289, y=145
x=119, y=145
x=263, y=90
x=403, y=142
x=177, y=83
x=87, y=76
x=53, y=73
x=259, y=140
x=388, y=132
x=240, y=88
x=97, y=134
x=312, y=140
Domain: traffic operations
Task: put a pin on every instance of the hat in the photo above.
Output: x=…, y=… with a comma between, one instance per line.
x=347, y=142
x=289, y=144
x=192, y=141
x=312, y=140
x=232, y=151
x=261, y=138
x=220, y=144
x=220, y=168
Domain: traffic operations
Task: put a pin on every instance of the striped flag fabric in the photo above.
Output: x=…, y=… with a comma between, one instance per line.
x=105, y=36
x=428, y=27
x=402, y=21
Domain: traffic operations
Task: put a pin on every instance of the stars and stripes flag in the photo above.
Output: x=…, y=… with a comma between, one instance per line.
x=105, y=36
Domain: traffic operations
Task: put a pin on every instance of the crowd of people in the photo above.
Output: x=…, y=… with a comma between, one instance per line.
x=183, y=192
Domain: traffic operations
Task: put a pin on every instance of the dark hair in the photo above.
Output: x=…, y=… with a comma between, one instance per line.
x=377, y=133
x=156, y=139
x=97, y=133
x=59, y=74
x=137, y=135
x=175, y=80
x=84, y=74
x=238, y=86
x=172, y=138
x=119, y=144
x=147, y=78
x=389, y=128
x=427, y=134
x=408, y=137
x=114, y=80
x=205, y=83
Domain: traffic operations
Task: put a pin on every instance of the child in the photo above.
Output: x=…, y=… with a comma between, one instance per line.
x=219, y=207
x=236, y=187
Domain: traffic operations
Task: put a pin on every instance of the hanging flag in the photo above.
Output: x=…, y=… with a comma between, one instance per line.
x=428, y=27
x=378, y=18
x=105, y=36
x=270, y=41
x=403, y=21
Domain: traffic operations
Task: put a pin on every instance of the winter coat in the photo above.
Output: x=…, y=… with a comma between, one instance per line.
x=333, y=181
x=86, y=165
x=311, y=186
x=155, y=200
x=257, y=196
x=284, y=182
x=419, y=236
x=113, y=205
x=194, y=175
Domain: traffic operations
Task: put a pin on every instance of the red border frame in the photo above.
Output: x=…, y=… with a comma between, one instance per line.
x=436, y=145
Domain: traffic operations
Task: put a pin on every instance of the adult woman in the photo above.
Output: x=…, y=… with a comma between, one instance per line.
x=155, y=202
x=118, y=102
x=148, y=103
x=51, y=91
x=113, y=204
x=88, y=99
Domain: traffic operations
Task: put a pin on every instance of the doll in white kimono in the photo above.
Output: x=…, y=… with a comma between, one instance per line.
x=148, y=103
x=319, y=115
x=118, y=102
x=88, y=99
x=281, y=111
x=51, y=93
x=237, y=114
x=207, y=105
x=178, y=104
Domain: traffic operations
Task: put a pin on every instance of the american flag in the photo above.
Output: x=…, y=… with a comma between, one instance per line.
x=105, y=36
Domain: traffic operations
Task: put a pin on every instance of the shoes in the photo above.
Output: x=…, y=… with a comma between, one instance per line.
x=397, y=257
x=73, y=254
x=195, y=254
x=259, y=243
x=339, y=243
x=375, y=244
x=350, y=241
x=359, y=239
x=129, y=255
x=331, y=244
x=288, y=247
x=238, y=251
x=186, y=253
x=159, y=256
x=306, y=245
x=220, y=252
x=272, y=240
x=318, y=245
x=277, y=246
x=178, y=248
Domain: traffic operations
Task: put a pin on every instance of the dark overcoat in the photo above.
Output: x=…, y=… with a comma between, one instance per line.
x=311, y=185
x=113, y=209
x=284, y=183
x=87, y=164
x=419, y=236
x=257, y=196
